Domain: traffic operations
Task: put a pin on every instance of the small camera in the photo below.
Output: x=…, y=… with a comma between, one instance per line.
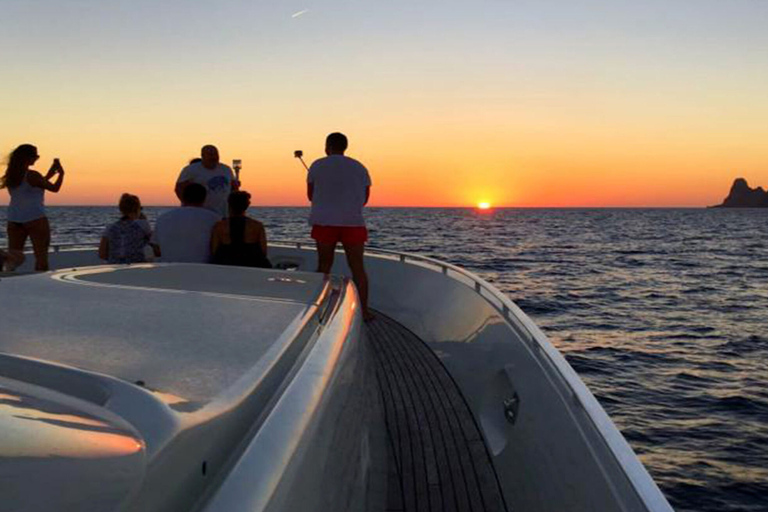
x=298, y=153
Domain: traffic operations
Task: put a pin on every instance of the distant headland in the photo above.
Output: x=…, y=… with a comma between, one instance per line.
x=744, y=196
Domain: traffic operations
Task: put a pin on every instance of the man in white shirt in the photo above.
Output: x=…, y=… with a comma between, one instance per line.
x=184, y=233
x=216, y=177
x=339, y=187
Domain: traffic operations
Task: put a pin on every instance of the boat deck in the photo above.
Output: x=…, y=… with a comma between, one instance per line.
x=142, y=323
x=438, y=458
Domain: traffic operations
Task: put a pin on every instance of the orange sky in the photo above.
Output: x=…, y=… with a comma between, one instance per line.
x=518, y=105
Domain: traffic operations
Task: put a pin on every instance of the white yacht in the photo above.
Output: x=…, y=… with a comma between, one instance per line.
x=182, y=387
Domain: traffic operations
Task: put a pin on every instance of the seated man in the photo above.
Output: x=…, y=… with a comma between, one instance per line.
x=184, y=233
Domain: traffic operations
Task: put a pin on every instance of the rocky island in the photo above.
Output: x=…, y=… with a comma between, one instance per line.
x=744, y=196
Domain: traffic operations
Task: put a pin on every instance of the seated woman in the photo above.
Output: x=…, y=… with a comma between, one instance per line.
x=125, y=240
x=239, y=240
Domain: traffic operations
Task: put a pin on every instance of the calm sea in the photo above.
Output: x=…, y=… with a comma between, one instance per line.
x=663, y=313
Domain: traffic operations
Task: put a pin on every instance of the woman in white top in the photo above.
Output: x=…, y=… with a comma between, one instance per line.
x=26, y=212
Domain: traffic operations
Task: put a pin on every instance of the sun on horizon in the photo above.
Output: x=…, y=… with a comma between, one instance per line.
x=483, y=205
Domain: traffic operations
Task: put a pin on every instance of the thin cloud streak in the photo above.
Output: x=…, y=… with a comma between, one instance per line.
x=297, y=14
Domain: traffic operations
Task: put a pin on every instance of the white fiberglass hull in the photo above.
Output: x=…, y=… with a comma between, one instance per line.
x=551, y=444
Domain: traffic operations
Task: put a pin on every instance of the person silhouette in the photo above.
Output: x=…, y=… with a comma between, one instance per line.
x=124, y=241
x=217, y=178
x=26, y=211
x=339, y=187
x=239, y=240
x=183, y=234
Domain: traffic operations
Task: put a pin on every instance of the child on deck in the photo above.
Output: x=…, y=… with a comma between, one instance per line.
x=125, y=240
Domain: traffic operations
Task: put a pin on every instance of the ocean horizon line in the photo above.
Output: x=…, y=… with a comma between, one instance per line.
x=418, y=207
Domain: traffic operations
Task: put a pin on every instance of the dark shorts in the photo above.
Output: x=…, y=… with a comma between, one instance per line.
x=38, y=230
x=347, y=235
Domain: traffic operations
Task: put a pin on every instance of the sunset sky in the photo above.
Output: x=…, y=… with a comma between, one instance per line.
x=517, y=103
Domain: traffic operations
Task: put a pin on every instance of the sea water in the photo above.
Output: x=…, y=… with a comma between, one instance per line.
x=662, y=312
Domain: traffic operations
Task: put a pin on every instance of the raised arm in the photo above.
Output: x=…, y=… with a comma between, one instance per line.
x=37, y=180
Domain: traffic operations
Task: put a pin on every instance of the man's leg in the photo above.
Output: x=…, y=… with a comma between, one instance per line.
x=40, y=234
x=355, y=259
x=325, y=252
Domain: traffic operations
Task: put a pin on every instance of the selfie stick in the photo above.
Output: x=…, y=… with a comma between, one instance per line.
x=237, y=164
x=298, y=154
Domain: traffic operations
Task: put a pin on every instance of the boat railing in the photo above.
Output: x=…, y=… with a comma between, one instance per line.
x=546, y=352
x=506, y=307
x=510, y=311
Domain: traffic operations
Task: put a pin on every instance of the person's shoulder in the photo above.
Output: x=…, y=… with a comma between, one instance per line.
x=320, y=162
x=112, y=226
x=224, y=168
x=168, y=213
x=198, y=211
x=33, y=177
x=172, y=215
x=207, y=215
x=352, y=162
x=356, y=168
x=143, y=224
x=255, y=223
x=189, y=170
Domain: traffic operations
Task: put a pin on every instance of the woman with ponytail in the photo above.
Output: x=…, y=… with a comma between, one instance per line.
x=26, y=212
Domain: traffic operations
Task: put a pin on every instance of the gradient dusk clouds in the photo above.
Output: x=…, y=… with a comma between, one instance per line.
x=518, y=103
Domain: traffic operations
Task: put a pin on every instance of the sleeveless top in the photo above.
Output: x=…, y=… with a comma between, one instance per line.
x=127, y=240
x=27, y=203
x=238, y=252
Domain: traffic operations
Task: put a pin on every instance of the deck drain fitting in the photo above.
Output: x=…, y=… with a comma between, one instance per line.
x=511, y=406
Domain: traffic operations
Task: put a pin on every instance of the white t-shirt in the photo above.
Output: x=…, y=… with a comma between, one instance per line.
x=184, y=234
x=338, y=198
x=218, y=183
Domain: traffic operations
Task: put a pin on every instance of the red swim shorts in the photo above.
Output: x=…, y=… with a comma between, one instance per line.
x=348, y=235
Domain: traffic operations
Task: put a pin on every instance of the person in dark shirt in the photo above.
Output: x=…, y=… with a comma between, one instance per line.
x=239, y=240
